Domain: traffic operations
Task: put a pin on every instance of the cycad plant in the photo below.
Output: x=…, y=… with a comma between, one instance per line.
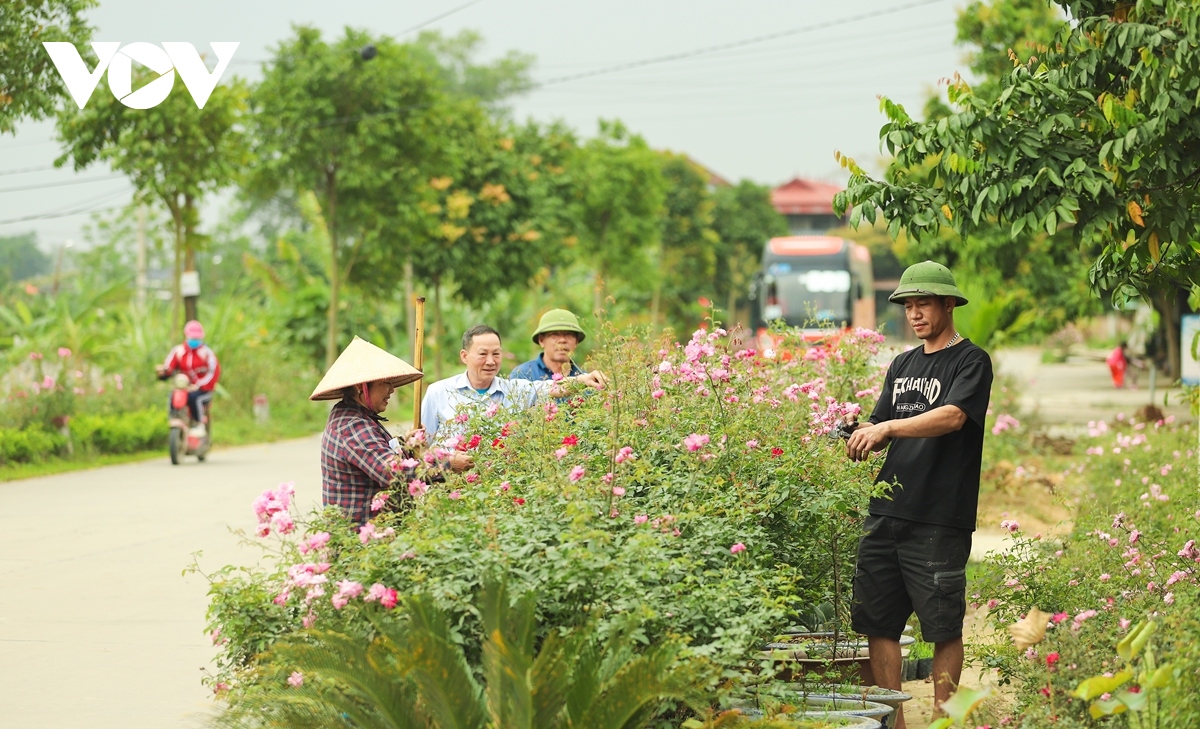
x=412, y=675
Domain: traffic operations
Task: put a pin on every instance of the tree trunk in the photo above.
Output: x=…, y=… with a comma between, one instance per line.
x=437, y=329
x=176, y=297
x=656, y=296
x=335, y=281
x=141, y=258
x=1167, y=305
x=190, y=303
x=731, y=316
x=410, y=306
x=598, y=292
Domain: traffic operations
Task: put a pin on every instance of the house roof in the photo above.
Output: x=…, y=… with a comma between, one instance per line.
x=804, y=197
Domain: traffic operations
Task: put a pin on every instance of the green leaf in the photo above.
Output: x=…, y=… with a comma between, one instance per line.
x=1100, y=685
x=1106, y=708
x=1135, y=700
x=1163, y=676
x=964, y=701
x=1135, y=639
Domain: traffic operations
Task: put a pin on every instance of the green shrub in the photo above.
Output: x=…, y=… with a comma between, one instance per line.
x=1130, y=557
x=121, y=432
x=733, y=514
x=28, y=444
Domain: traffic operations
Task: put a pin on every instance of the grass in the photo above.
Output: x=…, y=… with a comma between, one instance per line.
x=233, y=431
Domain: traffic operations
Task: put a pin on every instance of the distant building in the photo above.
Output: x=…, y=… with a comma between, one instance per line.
x=807, y=205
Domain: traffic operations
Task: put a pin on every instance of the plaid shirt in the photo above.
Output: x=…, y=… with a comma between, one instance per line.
x=356, y=460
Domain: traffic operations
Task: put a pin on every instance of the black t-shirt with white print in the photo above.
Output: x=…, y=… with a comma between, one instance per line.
x=937, y=479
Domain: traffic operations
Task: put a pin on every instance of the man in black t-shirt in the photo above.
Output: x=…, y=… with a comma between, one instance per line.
x=915, y=544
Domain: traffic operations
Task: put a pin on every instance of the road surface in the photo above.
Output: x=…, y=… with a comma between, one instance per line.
x=98, y=627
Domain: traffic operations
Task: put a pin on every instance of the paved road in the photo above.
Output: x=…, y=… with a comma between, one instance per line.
x=98, y=628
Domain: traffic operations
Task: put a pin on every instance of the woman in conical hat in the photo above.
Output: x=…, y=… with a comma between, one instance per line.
x=357, y=452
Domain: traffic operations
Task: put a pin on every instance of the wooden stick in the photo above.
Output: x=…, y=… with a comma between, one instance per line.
x=418, y=358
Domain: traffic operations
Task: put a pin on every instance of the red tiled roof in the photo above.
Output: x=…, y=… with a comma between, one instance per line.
x=804, y=197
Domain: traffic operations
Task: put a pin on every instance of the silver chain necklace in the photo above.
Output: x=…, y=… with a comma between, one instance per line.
x=953, y=340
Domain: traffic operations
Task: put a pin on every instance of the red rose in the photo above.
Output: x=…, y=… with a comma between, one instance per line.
x=1051, y=658
x=570, y=440
x=776, y=452
x=473, y=443
x=497, y=443
x=519, y=501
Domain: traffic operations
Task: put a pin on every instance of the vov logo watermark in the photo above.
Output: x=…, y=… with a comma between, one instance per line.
x=118, y=60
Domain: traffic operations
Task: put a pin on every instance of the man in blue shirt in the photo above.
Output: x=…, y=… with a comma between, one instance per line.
x=482, y=386
x=558, y=334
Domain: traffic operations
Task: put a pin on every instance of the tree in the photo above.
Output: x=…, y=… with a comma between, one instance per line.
x=744, y=220
x=20, y=258
x=687, y=251
x=30, y=86
x=619, y=196
x=489, y=84
x=347, y=124
x=1096, y=132
x=173, y=152
x=1034, y=282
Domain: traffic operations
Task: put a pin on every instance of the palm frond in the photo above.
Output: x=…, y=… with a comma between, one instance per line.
x=452, y=697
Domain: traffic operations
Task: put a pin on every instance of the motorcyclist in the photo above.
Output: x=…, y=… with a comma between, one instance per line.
x=196, y=360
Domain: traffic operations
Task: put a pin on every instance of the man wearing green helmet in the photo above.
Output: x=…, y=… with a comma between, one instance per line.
x=558, y=334
x=915, y=544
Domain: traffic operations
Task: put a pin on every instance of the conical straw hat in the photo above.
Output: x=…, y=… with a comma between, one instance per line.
x=362, y=362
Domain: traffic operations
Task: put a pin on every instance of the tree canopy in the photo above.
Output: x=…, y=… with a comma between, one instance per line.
x=1096, y=132
x=30, y=86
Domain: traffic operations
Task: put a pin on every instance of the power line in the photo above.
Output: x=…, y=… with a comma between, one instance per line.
x=536, y=85
x=60, y=184
x=733, y=44
x=436, y=18
x=73, y=209
x=406, y=31
x=27, y=169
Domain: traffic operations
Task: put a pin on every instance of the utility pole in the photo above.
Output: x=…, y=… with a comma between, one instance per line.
x=141, y=257
x=58, y=264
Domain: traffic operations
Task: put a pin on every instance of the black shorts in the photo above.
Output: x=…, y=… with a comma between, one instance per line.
x=905, y=566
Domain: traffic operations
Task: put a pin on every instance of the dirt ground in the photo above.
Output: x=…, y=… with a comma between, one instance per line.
x=919, y=712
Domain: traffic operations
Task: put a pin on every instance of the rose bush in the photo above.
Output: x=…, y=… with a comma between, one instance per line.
x=1131, y=556
x=698, y=496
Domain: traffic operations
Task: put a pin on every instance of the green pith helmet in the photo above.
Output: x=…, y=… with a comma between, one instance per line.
x=558, y=320
x=928, y=278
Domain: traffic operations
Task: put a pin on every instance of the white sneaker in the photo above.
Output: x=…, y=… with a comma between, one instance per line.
x=198, y=431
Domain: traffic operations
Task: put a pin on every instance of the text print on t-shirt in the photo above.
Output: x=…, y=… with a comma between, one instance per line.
x=929, y=387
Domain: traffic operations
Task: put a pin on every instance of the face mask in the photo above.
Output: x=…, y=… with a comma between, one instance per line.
x=195, y=343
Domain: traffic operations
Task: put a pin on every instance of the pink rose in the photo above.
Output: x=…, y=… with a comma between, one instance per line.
x=64, y=352
x=739, y=547
x=618, y=491
x=576, y=474
x=695, y=442
x=296, y=679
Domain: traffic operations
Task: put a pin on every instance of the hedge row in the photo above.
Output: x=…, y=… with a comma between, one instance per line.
x=120, y=433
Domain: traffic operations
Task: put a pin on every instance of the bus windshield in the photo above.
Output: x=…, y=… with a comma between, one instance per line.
x=804, y=297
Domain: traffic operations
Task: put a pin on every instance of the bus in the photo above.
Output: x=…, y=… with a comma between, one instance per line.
x=812, y=281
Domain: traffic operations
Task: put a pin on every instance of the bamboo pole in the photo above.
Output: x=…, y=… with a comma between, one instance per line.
x=418, y=358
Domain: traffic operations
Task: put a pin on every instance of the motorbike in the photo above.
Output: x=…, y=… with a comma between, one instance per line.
x=187, y=438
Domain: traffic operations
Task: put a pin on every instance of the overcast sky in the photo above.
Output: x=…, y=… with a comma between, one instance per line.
x=766, y=110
